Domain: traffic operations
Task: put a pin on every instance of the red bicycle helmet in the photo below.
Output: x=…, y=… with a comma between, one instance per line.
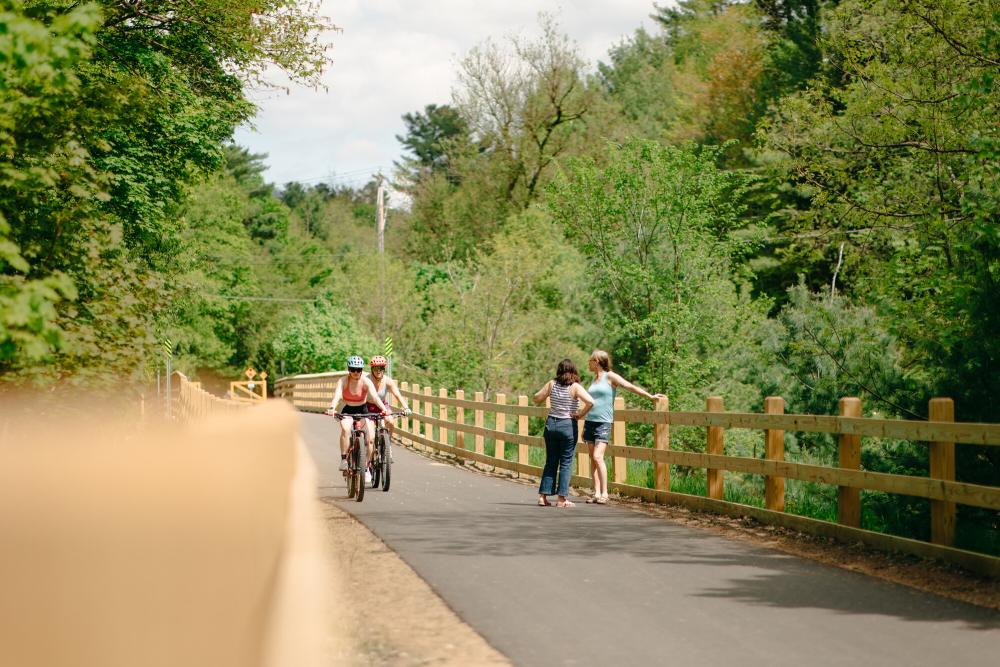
x=378, y=360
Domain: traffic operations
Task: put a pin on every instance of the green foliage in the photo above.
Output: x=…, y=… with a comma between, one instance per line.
x=503, y=319
x=319, y=338
x=658, y=226
x=906, y=186
x=110, y=111
x=428, y=136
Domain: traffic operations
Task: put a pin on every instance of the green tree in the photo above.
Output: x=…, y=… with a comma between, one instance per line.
x=659, y=226
x=896, y=165
x=117, y=108
x=319, y=338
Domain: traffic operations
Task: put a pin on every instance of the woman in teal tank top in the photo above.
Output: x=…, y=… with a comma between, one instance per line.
x=597, y=427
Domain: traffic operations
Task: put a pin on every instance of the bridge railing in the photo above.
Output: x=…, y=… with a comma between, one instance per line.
x=308, y=393
x=440, y=422
x=193, y=402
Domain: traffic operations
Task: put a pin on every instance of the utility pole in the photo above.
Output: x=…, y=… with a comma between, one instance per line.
x=380, y=215
x=380, y=228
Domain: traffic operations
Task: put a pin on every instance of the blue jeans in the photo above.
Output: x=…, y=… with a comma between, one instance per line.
x=560, y=444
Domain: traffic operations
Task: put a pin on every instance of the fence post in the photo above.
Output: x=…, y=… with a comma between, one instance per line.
x=499, y=446
x=443, y=415
x=478, y=418
x=715, y=444
x=404, y=421
x=942, y=464
x=849, y=458
x=429, y=411
x=661, y=441
x=418, y=408
x=460, y=419
x=618, y=440
x=774, y=450
x=582, y=456
x=522, y=429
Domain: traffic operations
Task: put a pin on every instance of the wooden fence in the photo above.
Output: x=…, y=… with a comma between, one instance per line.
x=436, y=414
x=308, y=393
x=193, y=402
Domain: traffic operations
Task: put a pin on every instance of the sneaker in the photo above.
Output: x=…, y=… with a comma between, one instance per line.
x=368, y=477
x=343, y=464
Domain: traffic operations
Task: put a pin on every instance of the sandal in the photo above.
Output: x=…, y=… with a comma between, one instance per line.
x=591, y=500
x=603, y=500
x=566, y=503
x=544, y=503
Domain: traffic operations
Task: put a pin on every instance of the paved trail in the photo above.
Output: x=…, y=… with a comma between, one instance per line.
x=602, y=585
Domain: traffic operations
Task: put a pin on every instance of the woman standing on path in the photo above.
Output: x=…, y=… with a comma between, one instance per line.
x=566, y=394
x=597, y=427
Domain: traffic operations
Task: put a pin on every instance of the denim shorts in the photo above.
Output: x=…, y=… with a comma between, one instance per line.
x=594, y=431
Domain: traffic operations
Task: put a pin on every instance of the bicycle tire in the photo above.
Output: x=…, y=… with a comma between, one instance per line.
x=386, y=462
x=360, y=459
x=352, y=481
x=377, y=461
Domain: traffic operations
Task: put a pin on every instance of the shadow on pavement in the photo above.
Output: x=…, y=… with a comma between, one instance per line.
x=747, y=574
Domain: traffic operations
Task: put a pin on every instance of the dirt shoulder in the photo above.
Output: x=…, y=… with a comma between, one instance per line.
x=385, y=613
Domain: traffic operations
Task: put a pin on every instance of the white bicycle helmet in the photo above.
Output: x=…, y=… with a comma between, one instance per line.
x=354, y=361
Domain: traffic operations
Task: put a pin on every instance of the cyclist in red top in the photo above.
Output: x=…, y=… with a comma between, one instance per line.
x=356, y=391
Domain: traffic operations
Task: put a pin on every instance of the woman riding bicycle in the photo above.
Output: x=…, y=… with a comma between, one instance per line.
x=385, y=385
x=356, y=391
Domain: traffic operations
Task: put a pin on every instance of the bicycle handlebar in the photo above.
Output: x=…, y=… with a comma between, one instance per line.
x=366, y=415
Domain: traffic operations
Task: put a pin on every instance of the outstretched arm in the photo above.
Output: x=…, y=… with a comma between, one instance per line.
x=619, y=381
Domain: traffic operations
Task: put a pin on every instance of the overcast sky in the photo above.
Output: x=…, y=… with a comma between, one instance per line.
x=397, y=56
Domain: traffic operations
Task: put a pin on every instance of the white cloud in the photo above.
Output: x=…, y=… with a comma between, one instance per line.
x=394, y=57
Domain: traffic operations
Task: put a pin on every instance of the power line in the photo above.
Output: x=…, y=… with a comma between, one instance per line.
x=257, y=298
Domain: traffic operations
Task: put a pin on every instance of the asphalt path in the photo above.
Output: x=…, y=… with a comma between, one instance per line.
x=604, y=585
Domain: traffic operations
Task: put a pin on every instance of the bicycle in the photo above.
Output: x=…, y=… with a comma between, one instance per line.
x=357, y=451
x=381, y=464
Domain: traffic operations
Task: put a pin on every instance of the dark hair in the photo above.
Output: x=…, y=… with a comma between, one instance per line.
x=566, y=373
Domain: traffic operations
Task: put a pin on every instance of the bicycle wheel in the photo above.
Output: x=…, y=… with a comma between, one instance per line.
x=386, y=461
x=376, y=466
x=360, y=459
x=352, y=479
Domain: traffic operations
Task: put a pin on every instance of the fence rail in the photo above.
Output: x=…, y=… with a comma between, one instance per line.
x=193, y=402
x=439, y=422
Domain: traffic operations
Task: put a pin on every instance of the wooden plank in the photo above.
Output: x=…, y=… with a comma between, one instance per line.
x=715, y=444
x=404, y=421
x=478, y=421
x=849, y=457
x=500, y=444
x=919, y=431
x=619, y=463
x=661, y=442
x=484, y=405
x=975, y=562
x=522, y=431
x=923, y=487
x=428, y=408
x=443, y=415
x=942, y=466
x=582, y=453
x=460, y=419
x=774, y=450
x=900, y=429
x=527, y=440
